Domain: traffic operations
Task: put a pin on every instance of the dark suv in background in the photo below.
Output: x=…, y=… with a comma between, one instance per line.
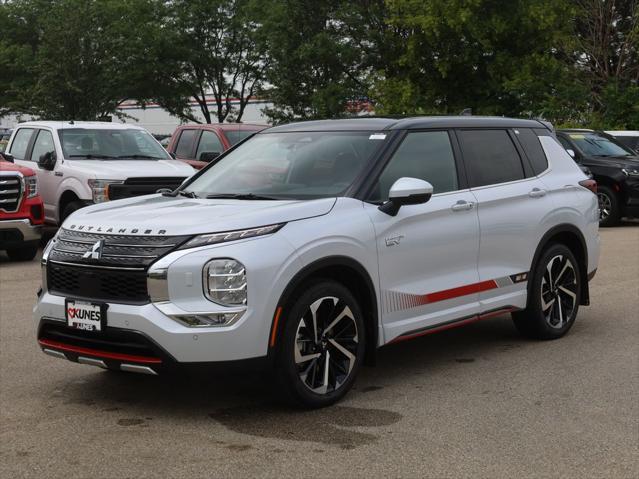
x=614, y=166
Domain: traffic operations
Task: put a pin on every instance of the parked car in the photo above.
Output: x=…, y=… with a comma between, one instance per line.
x=21, y=211
x=312, y=244
x=628, y=138
x=197, y=145
x=614, y=166
x=81, y=163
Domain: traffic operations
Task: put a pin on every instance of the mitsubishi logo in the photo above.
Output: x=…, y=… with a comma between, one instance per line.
x=95, y=253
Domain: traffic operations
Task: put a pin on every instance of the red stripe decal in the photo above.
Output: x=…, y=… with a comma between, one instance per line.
x=95, y=352
x=459, y=291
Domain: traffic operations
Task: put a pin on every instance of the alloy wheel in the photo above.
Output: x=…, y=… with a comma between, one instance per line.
x=326, y=345
x=605, y=206
x=559, y=291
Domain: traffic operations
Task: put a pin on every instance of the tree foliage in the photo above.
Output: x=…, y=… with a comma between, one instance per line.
x=574, y=62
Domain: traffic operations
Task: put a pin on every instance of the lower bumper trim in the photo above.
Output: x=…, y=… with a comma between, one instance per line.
x=62, y=347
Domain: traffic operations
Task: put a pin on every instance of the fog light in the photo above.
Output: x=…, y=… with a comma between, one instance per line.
x=208, y=319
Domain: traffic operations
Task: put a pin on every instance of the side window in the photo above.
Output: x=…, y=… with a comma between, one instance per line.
x=209, y=143
x=185, y=143
x=425, y=155
x=21, y=143
x=491, y=157
x=43, y=144
x=530, y=142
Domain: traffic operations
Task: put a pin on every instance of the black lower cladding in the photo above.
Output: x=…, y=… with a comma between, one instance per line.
x=112, y=340
x=122, y=286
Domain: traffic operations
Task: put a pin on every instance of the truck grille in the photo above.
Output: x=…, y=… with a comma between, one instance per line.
x=142, y=186
x=119, y=275
x=10, y=191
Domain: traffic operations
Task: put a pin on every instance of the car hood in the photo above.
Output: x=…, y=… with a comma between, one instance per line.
x=613, y=161
x=157, y=214
x=123, y=169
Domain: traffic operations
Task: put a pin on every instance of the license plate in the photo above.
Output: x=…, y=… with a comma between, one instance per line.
x=85, y=315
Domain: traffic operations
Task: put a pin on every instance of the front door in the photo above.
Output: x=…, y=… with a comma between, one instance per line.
x=428, y=252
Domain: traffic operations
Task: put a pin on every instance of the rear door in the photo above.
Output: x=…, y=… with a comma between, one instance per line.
x=427, y=253
x=185, y=143
x=513, y=206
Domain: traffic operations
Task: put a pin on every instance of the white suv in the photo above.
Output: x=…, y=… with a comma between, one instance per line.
x=80, y=163
x=311, y=245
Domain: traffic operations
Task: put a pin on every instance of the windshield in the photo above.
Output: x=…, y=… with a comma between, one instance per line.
x=104, y=144
x=594, y=145
x=235, y=136
x=290, y=166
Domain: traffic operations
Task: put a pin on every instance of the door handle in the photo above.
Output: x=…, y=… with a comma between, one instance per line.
x=537, y=193
x=58, y=173
x=462, y=205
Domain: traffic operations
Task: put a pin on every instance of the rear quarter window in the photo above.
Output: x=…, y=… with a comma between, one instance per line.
x=532, y=147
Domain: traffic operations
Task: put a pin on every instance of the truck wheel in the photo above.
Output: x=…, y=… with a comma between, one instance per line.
x=23, y=253
x=71, y=208
x=609, y=213
x=554, y=295
x=321, y=345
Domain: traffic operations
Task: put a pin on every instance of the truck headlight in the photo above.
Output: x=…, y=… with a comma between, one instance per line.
x=100, y=189
x=31, y=185
x=224, y=282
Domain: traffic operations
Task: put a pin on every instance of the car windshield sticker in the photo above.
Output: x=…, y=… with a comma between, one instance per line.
x=377, y=136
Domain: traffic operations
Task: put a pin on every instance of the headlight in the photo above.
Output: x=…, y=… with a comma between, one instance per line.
x=224, y=282
x=630, y=171
x=31, y=185
x=213, y=238
x=100, y=189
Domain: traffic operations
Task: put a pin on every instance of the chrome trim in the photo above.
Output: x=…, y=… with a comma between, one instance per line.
x=174, y=312
x=118, y=245
x=92, y=362
x=134, y=368
x=19, y=177
x=29, y=231
x=104, y=255
x=93, y=266
x=55, y=354
x=157, y=284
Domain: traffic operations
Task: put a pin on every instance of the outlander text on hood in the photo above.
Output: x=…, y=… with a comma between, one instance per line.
x=310, y=245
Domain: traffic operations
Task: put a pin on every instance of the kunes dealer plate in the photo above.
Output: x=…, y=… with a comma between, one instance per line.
x=85, y=315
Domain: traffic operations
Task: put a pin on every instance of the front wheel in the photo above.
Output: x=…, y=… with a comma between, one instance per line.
x=23, y=253
x=554, y=295
x=321, y=345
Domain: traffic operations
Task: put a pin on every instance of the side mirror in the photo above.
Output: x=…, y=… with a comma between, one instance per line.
x=8, y=157
x=47, y=160
x=208, y=156
x=571, y=152
x=406, y=191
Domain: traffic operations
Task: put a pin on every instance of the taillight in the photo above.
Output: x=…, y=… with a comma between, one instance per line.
x=589, y=184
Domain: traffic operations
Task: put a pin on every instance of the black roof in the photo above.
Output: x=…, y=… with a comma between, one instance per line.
x=414, y=123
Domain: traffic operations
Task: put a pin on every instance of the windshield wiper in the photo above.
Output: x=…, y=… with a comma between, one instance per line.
x=142, y=157
x=240, y=196
x=91, y=156
x=174, y=193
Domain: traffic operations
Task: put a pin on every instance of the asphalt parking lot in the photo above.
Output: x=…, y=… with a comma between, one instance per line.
x=478, y=401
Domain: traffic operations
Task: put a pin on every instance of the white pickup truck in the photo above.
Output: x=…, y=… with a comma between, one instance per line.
x=81, y=163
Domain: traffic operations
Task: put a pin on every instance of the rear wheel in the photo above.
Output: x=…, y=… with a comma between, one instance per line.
x=609, y=211
x=554, y=295
x=23, y=253
x=321, y=345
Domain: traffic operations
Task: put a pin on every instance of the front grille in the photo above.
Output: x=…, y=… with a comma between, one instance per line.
x=119, y=286
x=111, y=339
x=142, y=186
x=126, y=251
x=10, y=191
x=118, y=275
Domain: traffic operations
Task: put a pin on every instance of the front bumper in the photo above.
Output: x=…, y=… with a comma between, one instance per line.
x=13, y=233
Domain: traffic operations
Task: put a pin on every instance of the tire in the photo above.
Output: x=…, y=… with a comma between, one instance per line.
x=609, y=210
x=317, y=373
x=558, y=278
x=71, y=208
x=24, y=253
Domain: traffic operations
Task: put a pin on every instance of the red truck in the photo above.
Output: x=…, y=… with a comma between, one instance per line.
x=21, y=211
x=197, y=145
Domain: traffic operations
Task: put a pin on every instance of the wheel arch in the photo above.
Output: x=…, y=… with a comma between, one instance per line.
x=68, y=196
x=572, y=237
x=352, y=275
